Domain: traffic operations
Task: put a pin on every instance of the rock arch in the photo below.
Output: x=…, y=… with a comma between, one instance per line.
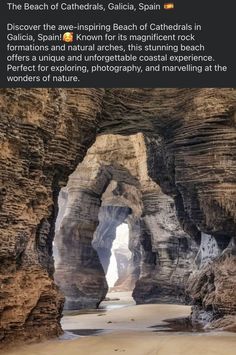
x=46, y=132
x=162, y=253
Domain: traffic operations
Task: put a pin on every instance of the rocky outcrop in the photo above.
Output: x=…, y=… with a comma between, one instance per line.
x=168, y=255
x=45, y=133
x=79, y=273
x=210, y=286
x=36, y=304
x=213, y=294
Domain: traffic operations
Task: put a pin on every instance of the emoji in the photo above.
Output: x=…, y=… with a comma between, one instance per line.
x=68, y=37
x=169, y=6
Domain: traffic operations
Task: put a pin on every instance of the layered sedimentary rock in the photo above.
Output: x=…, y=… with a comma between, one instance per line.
x=212, y=284
x=213, y=294
x=191, y=143
x=79, y=272
x=193, y=160
x=168, y=255
x=166, y=252
x=44, y=133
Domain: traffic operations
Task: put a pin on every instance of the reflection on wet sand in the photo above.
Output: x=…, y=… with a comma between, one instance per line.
x=158, y=329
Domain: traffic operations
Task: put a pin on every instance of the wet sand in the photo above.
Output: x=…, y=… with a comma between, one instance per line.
x=130, y=318
x=131, y=330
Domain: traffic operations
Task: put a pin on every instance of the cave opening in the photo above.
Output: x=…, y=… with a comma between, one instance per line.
x=102, y=199
x=187, y=147
x=112, y=197
x=113, y=243
x=109, y=192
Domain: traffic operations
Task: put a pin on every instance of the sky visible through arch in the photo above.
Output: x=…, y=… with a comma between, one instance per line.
x=121, y=241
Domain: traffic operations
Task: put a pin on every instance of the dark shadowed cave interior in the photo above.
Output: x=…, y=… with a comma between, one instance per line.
x=76, y=164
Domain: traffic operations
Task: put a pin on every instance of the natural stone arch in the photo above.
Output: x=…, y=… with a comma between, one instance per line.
x=79, y=272
x=46, y=132
x=151, y=210
x=121, y=202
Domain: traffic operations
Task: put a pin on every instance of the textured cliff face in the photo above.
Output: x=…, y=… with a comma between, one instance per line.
x=168, y=256
x=46, y=132
x=79, y=272
x=212, y=285
x=195, y=132
x=193, y=160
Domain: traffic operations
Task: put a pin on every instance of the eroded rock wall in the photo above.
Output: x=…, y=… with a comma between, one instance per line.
x=79, y=273
x=168, y=256
x=193, y=158
x=46, y=132
x=205, y=218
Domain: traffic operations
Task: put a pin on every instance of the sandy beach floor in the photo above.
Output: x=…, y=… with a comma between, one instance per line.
x=131, y=330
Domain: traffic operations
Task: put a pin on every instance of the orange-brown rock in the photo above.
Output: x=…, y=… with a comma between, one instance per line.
x=190, y=138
